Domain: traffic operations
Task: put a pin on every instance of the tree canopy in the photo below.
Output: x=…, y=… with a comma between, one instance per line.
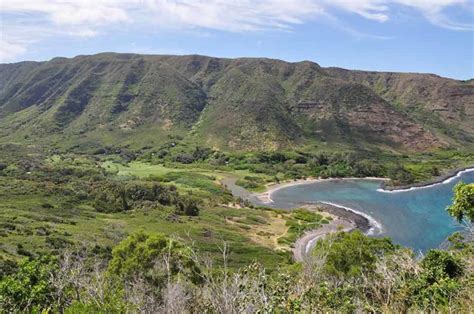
x=154, y=256
x=350, y=254
x=463, y=202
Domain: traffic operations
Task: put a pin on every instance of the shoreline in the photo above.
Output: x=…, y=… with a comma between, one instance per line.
x=364, y=222
x=306, y=242
x=346, y=220
x=442, y=179
x=266, y=197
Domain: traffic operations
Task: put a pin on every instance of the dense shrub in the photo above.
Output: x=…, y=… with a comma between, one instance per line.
x=58, y=242
x=111, y=197
x=30, y=288
x=152, y=273
x=441, y=264
x=201, y=153
x=401, y=176
x=183, y=158
x=352, y=254
x=154, y=256
x=120, y=196
x=187, y=205
x=436, y=285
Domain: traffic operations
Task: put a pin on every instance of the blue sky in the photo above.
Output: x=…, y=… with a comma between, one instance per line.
x=435, y=36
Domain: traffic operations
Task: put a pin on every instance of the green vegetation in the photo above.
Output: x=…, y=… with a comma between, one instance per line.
x=256, y=169
x=71, y=226
x=463, y=203
x=300, y=221
x=352, y=254
x=30, y=287
x=50, y=203
x=344, y=273
x=89, y=103
x=136, y=257
x=52, y=200
x=111, y=202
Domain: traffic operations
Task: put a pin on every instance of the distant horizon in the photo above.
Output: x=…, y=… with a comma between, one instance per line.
x=243, y=57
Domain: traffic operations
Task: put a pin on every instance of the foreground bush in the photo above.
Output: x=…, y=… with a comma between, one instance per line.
x=152, y=273
x=155, y=258
x=30, y=288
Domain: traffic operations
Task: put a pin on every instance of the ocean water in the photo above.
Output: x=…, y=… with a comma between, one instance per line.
x=414, y=218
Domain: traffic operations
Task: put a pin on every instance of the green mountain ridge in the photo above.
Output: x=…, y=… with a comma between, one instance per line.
x=234, y=104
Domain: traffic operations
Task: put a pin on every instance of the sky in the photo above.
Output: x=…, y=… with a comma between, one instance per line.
x=429, y=36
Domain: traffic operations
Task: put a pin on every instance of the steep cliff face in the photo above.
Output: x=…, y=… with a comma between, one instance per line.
x=355, y=112
x=429, y=99
x=244, y=104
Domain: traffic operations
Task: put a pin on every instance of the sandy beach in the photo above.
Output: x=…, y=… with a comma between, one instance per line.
x=266, y=197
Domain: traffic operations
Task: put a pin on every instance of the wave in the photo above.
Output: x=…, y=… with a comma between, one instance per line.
x=445, y=181
x=375, y=226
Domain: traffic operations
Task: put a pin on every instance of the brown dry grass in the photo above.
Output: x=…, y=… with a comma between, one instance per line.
x=266, y=234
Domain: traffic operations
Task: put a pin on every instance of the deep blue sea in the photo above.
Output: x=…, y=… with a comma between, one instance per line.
x=414, y=218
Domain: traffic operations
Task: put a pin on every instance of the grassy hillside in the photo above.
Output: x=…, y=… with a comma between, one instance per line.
x=88, y=102
x=50, y=203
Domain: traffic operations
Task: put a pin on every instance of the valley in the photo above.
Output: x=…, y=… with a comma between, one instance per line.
x=180, y=172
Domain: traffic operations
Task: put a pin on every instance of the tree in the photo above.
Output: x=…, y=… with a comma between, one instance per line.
x=463, y=202
x=435, y=171
x=351, y=254
x=155, y=257
x=201, y=153
x=321, y=159
x=436, y=285
x=400, y=175
x=187, y=205
x=442, y=264
x=111, y=197
x=30, y=288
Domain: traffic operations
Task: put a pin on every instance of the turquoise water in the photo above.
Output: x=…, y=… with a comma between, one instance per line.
x=414, y=218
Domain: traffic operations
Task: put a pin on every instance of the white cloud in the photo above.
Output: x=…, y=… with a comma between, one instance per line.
x=24, y=23
x=87, y=18
x=236, y=16
x=9, y=51
x=433, y=11
x=369, y=9
x=72, y=12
